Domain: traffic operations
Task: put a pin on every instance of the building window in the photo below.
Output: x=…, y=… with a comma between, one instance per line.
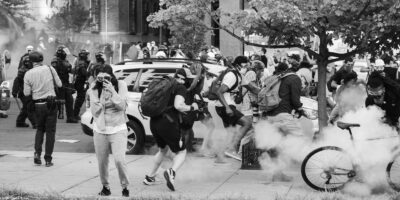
x=95, y=8
x=132, y=16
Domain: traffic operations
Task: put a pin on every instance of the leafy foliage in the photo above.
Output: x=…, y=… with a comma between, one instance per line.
x=364, y=25
x=185, y=20
x=67, y=18
x=17, y=9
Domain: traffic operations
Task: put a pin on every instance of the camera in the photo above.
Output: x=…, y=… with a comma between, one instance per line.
x=102, y=78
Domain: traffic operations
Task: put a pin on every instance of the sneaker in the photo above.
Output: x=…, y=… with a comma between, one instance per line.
x=169, y=176
x=36, y=159
x=281, y=177
x=125, y=192
x=233, y=155
x=49, y=164
x=149, y=180
x=105, y=191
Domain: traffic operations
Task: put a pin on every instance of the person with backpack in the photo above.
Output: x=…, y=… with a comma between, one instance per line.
x=223, y=87
x=280, y=115
x=108, y=103
x=164, y=103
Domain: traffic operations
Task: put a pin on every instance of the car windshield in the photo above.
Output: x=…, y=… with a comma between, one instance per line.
x=149, y=74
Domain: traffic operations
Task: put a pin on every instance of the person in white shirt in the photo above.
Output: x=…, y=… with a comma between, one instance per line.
x=226, y=108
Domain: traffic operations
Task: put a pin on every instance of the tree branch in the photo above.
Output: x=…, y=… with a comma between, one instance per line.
x=363, y=10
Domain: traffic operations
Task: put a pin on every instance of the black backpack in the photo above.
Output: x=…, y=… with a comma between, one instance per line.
x=154, y=102
x=216, y=84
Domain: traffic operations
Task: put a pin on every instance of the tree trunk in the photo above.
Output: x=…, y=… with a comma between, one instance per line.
x=322, y=63
x=322, y=101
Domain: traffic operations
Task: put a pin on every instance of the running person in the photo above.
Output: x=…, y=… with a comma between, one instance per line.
x=166, y=131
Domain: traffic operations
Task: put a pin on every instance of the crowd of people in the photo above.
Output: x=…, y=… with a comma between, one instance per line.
x=45, y=90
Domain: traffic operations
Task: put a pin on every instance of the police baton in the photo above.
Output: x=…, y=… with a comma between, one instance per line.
x=19, y=106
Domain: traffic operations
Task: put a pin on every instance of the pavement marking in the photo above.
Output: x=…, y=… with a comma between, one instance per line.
x=68, y=141
x=112, y=169
x=220, y=185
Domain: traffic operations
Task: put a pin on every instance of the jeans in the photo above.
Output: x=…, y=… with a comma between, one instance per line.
x=25, y=112
x=103, y=145
x=46, y=123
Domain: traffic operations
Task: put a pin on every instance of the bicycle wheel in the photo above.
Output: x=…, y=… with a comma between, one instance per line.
x=393, y=173
x=327, y=169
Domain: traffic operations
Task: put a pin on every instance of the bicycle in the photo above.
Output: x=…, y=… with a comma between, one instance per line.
x=337, y=168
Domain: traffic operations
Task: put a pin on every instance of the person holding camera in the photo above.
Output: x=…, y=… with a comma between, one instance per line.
x=40, y=83
x=108, y=103
x=63, y=69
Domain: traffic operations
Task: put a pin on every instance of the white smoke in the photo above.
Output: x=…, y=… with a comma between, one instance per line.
x=373, y=148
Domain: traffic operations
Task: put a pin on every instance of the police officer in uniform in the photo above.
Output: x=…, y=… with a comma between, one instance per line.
x=100, y=62
x=80, y=78
x=18, y=91
x=64, y=68
x=40, y=82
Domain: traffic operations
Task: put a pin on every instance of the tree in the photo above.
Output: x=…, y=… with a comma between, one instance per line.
x=364, y=25
x=14, y=9
x=69, y=19
x=186, y=23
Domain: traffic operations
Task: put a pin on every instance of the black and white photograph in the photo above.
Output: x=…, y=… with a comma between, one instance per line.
x=200, y=99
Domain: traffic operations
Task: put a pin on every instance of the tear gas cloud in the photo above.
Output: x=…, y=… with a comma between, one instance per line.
x=374, y=143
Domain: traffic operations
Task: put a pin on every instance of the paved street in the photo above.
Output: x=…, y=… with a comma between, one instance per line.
x=12, y=138
x=76, y=174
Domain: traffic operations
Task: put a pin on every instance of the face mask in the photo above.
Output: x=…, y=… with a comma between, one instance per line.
x=243, y=70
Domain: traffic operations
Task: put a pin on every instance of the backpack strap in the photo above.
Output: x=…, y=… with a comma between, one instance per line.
x=237, y=75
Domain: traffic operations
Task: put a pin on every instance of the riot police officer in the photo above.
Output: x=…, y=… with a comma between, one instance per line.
x=29, y=49
x=80, y=80
x=100, y=62
x=64, y=68
x=18, y=91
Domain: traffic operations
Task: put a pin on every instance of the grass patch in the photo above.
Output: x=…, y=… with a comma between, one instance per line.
x=17, y=194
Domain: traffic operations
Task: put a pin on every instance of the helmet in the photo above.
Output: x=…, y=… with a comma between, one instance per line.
x=60, y=53
x=100, y=56
x=36, y=56
x=83, y=53
x=29, y=48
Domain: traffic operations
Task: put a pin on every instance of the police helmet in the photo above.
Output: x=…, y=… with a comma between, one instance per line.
x=99, y=55
x=36, y=57
x=29, y=48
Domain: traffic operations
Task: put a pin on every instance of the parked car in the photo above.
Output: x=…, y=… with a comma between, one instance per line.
x=138, y=75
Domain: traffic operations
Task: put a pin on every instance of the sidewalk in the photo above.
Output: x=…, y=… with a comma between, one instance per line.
x=76, y=174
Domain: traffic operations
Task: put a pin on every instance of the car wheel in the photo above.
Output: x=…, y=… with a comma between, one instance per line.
x=135, y=138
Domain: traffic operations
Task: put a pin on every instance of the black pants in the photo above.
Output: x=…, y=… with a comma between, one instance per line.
x=46, y=123
x=26, y=112
x=66, y=94
x=80, y=98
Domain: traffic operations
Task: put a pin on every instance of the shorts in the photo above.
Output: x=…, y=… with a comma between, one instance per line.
x=166, y=132
x=226, y=119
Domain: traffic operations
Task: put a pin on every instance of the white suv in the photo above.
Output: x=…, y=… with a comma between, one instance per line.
x=138, y=75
